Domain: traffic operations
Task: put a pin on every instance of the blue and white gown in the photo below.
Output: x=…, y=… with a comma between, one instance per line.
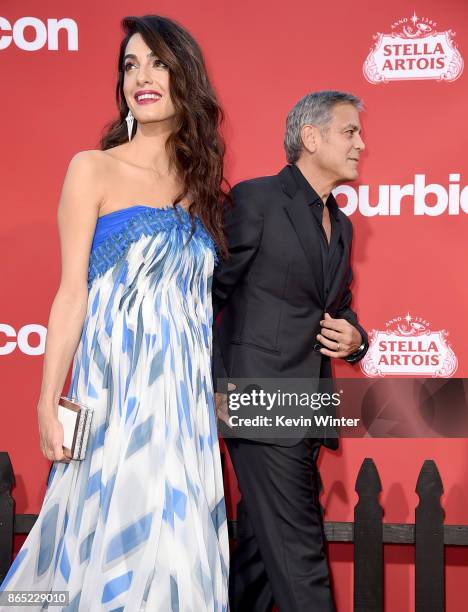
x=140, y=524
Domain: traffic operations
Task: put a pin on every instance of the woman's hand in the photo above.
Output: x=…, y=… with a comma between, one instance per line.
x=51, y=436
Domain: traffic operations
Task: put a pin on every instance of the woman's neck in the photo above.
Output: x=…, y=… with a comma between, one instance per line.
x=148, y=147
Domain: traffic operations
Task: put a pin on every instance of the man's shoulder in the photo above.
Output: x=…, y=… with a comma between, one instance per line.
x=257, y=194
x=256, y=186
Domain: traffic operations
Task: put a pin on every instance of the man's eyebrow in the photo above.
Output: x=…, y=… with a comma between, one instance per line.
x=352, y=126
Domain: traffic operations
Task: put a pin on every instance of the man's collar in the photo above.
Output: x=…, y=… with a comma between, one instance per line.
x=292, y=180
x=311, y=195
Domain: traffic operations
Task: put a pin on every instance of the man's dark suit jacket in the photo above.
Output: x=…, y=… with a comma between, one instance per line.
x=271, y=288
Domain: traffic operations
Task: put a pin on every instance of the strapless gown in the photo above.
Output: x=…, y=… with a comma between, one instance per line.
x=140, y=524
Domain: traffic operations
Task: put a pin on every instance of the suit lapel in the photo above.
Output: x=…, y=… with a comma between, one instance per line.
x=305, y=226
x=297, y=210
x=342, y=269
x=336, y=237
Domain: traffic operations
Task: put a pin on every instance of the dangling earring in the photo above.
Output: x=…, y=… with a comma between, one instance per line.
x=130, y=119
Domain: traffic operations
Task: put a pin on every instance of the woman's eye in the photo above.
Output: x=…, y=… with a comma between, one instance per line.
x=159, y=64
x=156, y=64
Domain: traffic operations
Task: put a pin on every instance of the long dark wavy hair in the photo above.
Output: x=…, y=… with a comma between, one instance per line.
x=195, y=148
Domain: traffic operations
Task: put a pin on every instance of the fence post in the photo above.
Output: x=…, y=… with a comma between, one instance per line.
x=429, y=541
x=7, y=514
x=368, y=547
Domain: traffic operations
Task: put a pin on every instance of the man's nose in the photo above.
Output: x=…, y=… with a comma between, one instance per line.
x=360, y=143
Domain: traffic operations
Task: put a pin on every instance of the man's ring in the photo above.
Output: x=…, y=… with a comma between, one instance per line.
x=338, y=346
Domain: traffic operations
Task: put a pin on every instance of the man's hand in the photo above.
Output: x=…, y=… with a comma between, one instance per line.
x=222, y=410
x=339, y=337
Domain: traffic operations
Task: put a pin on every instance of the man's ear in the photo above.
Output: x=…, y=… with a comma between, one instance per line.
x=309, y=137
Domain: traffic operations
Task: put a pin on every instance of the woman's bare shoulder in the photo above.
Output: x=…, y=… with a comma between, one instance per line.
x=100, y=166
x=86, y=178
x=109, y=159
x=90, y=160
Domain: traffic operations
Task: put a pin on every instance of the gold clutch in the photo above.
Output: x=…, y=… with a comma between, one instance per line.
x=76, y=422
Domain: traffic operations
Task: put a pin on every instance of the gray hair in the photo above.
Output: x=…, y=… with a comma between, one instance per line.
x=312, y=109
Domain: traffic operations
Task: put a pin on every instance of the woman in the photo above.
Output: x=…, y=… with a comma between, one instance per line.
x=140, y=522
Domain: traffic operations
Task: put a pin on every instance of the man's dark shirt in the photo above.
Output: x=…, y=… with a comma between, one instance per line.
x=333, y=252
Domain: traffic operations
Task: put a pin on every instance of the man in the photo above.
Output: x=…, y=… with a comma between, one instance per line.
x=285, y=293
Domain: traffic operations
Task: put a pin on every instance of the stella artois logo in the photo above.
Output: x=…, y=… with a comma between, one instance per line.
x=413, y=50
x=408, y=347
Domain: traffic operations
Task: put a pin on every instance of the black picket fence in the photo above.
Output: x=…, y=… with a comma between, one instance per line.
x=368, y=532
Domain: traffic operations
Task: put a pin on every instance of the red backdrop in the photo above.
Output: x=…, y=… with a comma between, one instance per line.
x=262, y=56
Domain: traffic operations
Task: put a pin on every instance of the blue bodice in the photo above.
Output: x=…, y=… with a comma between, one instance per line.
x=116, y=231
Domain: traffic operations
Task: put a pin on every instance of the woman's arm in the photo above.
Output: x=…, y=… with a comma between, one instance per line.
x=81, y=196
